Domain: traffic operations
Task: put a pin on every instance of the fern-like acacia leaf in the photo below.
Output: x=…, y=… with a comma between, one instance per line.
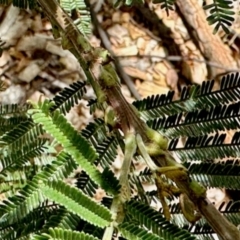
x=63, y=234
x=191, y=99
x=17, y=207
x=221, y=117
x=34, y=220
x=72, y=142
x=21, y=156
x=221, y=14
x=207, y=147
x=70, y=96
x=76, y=202
x=221, y=175
x=135, y=232
x=83, y=20
x=107, y=152
x=62, y=218
x=85, y=183
x=95, y=132
x=60, y=168
x=20, y=135
x=153, y=221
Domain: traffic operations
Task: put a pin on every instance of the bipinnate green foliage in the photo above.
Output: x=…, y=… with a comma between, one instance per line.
x=40, y=150
x=71, y=141
x=76, y=202
x=144, y=216
x=21, y=145
x=221, y=14
x=54, y=209
x=61, y=234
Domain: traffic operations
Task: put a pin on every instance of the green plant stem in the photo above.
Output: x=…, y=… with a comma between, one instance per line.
x=128, y=117
x=119, y=200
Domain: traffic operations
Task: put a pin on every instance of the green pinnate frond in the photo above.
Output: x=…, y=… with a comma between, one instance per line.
x=8, y=123
x=220, y=117
x=231, y=211
x=132, y=231
x=60, y=168
x=43, y=160
x=30, y=196
x=15, y=178
x=221, y=14
x=82, y=18
x=63, y=234
x=13, y=109
x=91, y=229
x=85, y=183
x=17, y=207
x=21, y=156
x=30, y=224
x=110, y=181
x=95, y=132
x=155, y=222
x=72, y=142
x=69, y=5
x=207, y=147
x=192, y=98
x=157, y=105
x=76, y=202
x=62, y=218
x=70, y=96
x=94, y=105
x=221, y=175
x=57, y=125
x=107, y=151
x=20, y=135
x=12, y=115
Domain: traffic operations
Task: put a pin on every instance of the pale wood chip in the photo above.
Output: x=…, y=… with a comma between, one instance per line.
x=135, y=32
x=70, y=62
x=116, y=17
x=158, y=51
x=131, y=50
x=54, y=49
x=13, y=94
x=141, y=44
x=37, y=24
x=24, y=62
x=150, y=88
x=4, y=59
x=14, y=25
x=172, y=78
x=125, y=17
x=150, y=46
x=117, y=31
x=161, y=68
x=134, y=72
x=30, y=72
x=30, y=43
